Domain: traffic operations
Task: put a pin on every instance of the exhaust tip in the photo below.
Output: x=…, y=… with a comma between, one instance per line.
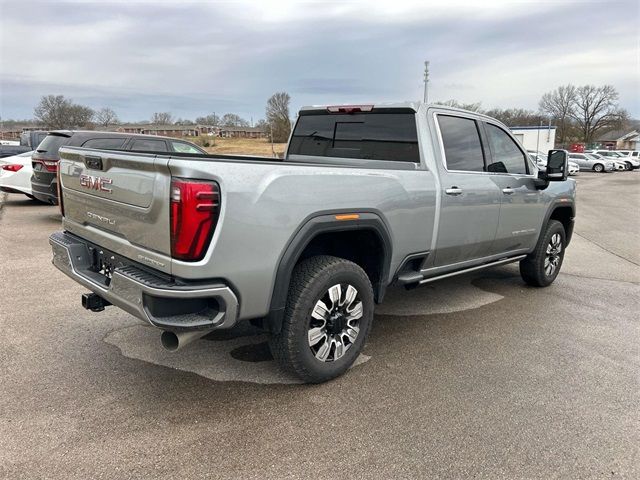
x=170, y=341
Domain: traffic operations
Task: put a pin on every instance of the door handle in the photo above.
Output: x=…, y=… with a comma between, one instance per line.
x=508, y=191
x=453, y=191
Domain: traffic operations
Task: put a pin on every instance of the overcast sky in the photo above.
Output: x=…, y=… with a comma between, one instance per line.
x=194, y=58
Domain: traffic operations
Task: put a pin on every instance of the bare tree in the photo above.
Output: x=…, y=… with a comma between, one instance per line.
x=233, y=120
x=212, y=119
x=595, y=109
x=559, y=105
x=277, y=113
x=162, y=118
x=516, y=117
x=106, y=116
x=56, y=111
x=474, y=107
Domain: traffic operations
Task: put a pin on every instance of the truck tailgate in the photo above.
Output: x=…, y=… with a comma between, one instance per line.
x=122, y=197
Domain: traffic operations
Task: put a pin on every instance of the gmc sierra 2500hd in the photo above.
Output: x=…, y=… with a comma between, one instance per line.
x=367, y=195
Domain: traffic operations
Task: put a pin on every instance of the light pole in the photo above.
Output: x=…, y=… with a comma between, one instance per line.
x=425, y=98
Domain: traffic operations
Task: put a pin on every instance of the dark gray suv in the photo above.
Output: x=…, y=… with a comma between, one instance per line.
x=44, y=183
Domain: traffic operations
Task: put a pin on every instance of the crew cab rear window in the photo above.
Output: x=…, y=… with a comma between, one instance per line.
x=461, y=141
x=149, y=145
x=370, y=136
x=104, y=143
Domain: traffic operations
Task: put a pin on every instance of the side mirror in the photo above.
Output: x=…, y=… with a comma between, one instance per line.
x=557, y=166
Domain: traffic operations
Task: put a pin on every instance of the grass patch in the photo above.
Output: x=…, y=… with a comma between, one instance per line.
x=244, y=146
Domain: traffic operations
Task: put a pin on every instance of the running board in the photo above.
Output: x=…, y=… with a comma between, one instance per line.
x=502, y=261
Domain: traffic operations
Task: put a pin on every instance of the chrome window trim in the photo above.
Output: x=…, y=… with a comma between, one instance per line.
x=469, y=172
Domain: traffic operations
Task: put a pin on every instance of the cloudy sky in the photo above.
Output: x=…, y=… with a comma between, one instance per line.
x=196, y=57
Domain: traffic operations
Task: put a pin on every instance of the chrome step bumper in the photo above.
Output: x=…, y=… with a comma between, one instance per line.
x=164, y=303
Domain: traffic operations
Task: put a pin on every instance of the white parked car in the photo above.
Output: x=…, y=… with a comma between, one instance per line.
x=631, y=161
x=573, y=168
x=15, y=174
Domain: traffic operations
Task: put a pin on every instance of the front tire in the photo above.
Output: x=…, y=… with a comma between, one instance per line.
x=327, y=319
x=629, y=166
x=598, y=168
x=541, y=267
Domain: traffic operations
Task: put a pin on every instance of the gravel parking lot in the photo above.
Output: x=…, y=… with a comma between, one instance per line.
x=475, y=377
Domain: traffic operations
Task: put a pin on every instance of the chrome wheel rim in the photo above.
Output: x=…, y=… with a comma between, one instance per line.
x=553, y=254
x=335, y=322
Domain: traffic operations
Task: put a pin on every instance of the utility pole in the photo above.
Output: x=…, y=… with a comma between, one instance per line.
x=426, y=82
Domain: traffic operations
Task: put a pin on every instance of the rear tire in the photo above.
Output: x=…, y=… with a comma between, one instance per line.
x=327, y=319
x=541, y=267
x=629, y=166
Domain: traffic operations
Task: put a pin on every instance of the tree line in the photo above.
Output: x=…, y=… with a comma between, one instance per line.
x=580, y=114
x=56, y=112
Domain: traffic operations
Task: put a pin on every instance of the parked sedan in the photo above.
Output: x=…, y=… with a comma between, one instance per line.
x=15, y=174
x=588, y=162
x=632, y=162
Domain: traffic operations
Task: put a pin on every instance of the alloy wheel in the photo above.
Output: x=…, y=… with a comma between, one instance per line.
x=334, y=323
x=553, y=254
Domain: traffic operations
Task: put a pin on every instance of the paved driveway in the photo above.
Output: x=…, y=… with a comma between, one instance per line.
x=475, y=377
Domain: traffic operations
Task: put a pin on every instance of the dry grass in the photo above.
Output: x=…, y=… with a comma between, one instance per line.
x=246, y=146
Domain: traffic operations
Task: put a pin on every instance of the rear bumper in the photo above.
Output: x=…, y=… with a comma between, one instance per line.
x=45, y=190
x=164, y=303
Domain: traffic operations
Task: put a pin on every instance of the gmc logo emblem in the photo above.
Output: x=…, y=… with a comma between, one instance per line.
x=96, y=183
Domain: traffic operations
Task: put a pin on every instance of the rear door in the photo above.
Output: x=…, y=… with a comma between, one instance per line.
x=521, y=202
x=470, y=200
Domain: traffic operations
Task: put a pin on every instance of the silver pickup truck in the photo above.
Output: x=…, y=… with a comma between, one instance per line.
x=366, y=196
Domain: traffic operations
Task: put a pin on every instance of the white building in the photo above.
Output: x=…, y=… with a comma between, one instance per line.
x=536, y=138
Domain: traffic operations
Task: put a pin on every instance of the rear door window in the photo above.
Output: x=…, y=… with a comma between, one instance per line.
x=184, y=147
x=149, y=145
x=507, y=157
x=371, y=136
x=461, y=142
x=105, y=143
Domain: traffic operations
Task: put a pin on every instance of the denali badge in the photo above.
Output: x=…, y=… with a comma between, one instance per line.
x=96, y=183
x=100, y=218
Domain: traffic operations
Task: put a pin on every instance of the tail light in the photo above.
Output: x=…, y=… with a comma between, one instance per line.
x=50, y=165
x=11, y=168
x=195, y=205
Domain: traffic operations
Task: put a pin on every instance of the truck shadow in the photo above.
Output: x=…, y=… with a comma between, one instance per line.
x=242, y=354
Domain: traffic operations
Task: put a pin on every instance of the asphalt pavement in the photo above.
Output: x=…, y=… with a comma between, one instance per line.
x=478, y=376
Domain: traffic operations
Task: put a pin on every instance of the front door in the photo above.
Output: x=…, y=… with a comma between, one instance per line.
x=521, y=210
x=470, y=200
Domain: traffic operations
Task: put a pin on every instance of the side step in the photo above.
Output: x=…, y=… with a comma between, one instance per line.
x=413, y=279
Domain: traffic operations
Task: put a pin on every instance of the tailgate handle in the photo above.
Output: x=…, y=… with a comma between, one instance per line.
x=92, y=162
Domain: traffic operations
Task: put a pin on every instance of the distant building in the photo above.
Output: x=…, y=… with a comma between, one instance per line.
x=176, y=131
x=242, y=132
x=620, y=140
x=536, y=138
